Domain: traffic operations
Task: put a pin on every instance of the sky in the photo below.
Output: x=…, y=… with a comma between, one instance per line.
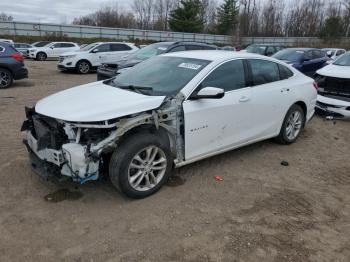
x=55, y=11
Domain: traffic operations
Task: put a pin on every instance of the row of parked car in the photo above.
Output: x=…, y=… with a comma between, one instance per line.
x=113, y=58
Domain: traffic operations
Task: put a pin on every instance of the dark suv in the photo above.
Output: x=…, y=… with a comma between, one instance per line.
x=11, y=65
x=110, y=70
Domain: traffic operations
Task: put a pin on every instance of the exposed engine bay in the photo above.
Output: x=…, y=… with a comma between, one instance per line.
x=78, y=150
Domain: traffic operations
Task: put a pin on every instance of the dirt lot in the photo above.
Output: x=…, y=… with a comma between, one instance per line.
x=261, y=211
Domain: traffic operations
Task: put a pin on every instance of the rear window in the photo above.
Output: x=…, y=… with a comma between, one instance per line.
x=285, y=72
x=264, y=72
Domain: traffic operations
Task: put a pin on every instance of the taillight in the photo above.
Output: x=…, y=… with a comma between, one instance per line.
x=315, y=85
x=18, y=57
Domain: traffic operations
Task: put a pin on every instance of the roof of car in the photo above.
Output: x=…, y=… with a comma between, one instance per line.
x=214, y=55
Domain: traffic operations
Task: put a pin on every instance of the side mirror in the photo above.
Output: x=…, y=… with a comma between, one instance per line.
x=52, y=47
x=209, y=93
x=95, y=50
x=306, y=60
x=329, y=54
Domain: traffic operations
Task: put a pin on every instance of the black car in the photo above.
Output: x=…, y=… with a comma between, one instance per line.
x=110, y=70
x=11, y=65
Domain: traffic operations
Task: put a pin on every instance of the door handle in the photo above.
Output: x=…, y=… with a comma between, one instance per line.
x=244, y=99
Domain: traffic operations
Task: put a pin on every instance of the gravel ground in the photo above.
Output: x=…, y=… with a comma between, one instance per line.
x=261, y=211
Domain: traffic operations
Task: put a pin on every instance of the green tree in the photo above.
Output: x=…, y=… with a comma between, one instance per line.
x=228, y=16
x=187, y=17
x=333, y=27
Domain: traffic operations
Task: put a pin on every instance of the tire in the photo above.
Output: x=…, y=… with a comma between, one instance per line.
x=6, y=78
x=132, y=175
x=292, y=126
x=83, y=67
x=41, y=56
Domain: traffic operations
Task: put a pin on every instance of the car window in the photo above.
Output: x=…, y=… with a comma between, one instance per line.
x=264, y=72
x=67, y=45
x=103, y=48
x=308, y=55
x=120, y=47
x=229, y=76
x=194, y=47
x=285, y=72
x=58, y=45
x=318, y=54
x=340, y=52
x=270, y=51
x=177, y=49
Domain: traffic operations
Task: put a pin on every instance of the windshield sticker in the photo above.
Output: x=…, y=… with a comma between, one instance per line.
x=162, y=48
x=190, y=66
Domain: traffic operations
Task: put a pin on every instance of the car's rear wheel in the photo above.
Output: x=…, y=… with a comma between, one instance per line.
x=141, y=165
x=292, y=126
x=6, y=78
x=83, y=67
x=41, y=56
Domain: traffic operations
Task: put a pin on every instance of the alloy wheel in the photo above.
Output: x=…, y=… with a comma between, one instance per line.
x=294, y=125
x=5, y=79
x=84, y=67
x=147, y=168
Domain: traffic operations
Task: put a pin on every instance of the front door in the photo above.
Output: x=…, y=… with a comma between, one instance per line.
x=213, y=125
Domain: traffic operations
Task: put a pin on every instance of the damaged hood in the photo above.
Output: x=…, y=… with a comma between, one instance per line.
x=95, y=102
x=335, y=71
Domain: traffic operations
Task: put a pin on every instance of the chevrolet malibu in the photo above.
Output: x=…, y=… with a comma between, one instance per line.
x=166, y=112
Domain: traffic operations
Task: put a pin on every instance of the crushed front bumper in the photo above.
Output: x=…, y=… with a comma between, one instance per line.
x=50, y=156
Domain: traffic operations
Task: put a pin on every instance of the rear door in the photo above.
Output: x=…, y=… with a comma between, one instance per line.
x=118, y=51
x=270, y=98
x=213, y=125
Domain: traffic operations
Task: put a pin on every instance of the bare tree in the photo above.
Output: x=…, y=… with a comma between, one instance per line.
x=162, y=11
x=144, y=10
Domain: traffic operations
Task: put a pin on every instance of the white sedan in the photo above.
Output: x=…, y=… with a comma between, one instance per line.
x=167, y=112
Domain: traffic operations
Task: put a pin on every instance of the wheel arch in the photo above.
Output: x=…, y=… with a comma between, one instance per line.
x=147, y=128
x=83, y=60
x=303, y=106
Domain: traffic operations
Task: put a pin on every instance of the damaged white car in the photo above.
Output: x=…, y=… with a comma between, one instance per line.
x=166, y=112
x=334, y=89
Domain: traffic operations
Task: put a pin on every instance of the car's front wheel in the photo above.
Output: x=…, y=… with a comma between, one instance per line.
x=141, y=165
x=292, y=126
x=6, y=78
x=83, y=67
x=41, y=56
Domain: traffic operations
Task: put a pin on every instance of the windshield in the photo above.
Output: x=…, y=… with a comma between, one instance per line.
x=289, y=55
x=41, y=44
x=344, y=60
x=149, y=51
x=89, y=47
x=164, y=75
x=256, y=49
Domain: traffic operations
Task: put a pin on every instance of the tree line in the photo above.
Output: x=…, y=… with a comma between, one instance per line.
x=275, y=18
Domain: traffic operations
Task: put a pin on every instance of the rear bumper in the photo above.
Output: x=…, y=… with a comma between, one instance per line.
x=20, y=73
